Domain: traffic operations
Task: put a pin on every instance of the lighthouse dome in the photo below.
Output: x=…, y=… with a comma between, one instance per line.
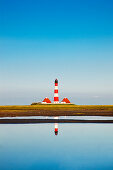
x=56, y=80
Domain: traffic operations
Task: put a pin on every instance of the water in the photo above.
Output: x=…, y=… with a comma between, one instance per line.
x=63, y=117
x=76, y=147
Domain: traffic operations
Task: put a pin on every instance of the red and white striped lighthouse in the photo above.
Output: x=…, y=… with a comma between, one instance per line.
x=56, y=98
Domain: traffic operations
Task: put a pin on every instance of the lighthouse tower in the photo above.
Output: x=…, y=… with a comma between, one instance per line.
x=56, y=98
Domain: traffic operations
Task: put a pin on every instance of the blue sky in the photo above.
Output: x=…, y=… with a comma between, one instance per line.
x=44, y=39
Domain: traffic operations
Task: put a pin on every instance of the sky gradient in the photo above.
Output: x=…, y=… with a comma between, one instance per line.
x=70, y=40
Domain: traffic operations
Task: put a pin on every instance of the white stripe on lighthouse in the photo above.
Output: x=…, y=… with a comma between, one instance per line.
x=55, y=94
x=56, y=87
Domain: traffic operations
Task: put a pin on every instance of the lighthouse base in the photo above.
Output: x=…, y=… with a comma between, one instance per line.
x=56, y=102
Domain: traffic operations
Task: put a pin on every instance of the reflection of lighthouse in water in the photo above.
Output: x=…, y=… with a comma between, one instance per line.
x=56, y=127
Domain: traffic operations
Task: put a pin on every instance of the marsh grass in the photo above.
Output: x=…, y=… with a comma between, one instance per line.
x=57, y=107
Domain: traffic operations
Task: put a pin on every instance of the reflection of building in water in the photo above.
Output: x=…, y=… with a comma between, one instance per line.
x=56, y=129
x=56, y=126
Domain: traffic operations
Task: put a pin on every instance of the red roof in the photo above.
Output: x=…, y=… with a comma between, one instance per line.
x=66, y=100
x=46, y=100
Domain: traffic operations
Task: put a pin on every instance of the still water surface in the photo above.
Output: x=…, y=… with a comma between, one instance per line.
x=62, y=117
x=76, y=147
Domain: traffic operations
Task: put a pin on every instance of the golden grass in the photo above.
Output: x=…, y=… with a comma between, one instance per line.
x=56, y=110
x=57, y=107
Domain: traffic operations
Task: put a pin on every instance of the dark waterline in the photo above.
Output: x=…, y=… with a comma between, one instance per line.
x=60, y=119
x=35, y=121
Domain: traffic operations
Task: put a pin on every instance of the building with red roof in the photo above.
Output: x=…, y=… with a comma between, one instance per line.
x=46, y=100
x=65, y=100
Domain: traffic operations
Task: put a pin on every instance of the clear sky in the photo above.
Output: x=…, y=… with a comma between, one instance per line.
x=71, y=40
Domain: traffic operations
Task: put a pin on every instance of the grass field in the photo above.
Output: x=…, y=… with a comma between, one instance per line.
x=56, y=106
x=56, y=110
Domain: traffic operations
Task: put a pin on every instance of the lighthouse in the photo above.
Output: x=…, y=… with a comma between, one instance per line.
x=56, y=98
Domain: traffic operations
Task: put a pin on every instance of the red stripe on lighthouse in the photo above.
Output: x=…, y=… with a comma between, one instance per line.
x=55, y=91
x=56, y=99
x=56, y=84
